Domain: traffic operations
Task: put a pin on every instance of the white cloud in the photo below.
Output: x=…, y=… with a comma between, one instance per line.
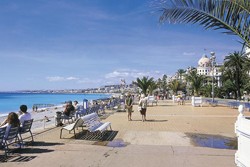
x=60, y=79
x=89, y=81
x=129, y=74
x=188, y=53
x=116, y=74
x=71, y=78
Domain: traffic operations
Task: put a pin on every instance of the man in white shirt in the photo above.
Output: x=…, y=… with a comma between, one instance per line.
x=78, y=110
x=24, y=114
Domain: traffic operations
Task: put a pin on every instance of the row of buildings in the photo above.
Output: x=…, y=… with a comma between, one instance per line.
x=208, y=66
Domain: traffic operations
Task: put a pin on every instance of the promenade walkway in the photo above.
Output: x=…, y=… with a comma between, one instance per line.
x=163, y=140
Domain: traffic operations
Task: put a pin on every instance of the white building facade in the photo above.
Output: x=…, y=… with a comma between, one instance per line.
x=210, y=69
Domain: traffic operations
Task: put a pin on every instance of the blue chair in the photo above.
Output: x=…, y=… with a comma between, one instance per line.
x=2, y=133
x=11, y=138
x=25, y=129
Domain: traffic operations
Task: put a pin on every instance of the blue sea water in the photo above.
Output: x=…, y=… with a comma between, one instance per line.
x=11, y=101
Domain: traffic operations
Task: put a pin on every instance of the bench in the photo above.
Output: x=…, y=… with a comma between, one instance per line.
x=72, y=127
x=94, y=124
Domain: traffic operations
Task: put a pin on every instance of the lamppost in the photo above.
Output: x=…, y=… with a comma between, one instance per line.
x=212, y=58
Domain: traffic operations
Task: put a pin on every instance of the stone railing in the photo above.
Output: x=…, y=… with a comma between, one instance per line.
x=242, y=130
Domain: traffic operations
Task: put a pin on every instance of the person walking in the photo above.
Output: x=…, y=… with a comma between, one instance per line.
x=129, y=106
x=143, y=107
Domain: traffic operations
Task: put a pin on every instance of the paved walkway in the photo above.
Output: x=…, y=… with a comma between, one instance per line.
x=162, y=140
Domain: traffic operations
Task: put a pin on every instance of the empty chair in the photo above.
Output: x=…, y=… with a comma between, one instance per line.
x=2, y=133
x=11, y=137
x=93, y=123
x=26, y=128
x=73, y=126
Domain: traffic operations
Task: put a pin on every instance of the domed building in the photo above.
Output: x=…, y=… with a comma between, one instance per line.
x=205, y=68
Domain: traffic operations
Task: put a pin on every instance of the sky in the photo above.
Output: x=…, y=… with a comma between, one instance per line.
x=79, y=44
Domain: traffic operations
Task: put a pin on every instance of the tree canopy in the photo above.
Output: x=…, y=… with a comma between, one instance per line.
x=233, y=16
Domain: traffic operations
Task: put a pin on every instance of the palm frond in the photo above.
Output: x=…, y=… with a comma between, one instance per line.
x=233, y=16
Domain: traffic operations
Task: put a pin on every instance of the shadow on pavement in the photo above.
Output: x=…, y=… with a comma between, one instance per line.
x=16, y=158
x=41, y=143
x=107, y=136
x=154, y=120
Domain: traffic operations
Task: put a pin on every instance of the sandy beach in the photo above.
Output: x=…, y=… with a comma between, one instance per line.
x=163, y=140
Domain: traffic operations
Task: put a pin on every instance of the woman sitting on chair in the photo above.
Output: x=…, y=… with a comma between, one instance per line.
x=11, y=121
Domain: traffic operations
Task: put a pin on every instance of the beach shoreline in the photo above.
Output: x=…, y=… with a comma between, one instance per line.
x=40, y=122
x=44, y=118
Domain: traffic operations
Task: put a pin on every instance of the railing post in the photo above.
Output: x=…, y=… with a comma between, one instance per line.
x=44, y=123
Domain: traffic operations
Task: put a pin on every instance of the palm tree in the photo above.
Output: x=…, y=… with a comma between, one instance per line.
x=196, y=81
x=174, y=85
x=162, y=84
x=153, y=86
x=236, y=69
x=230, y=15
x=144, y=83
x=180, y=73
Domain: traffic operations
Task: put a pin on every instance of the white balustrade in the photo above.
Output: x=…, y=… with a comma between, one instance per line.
x=242, y=130
x=196, y=101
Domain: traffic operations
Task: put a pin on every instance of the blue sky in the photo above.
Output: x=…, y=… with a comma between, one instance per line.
x=62, y=44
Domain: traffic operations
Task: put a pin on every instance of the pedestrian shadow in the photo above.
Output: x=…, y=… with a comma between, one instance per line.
x=137, y=120
x=42, y=143
x=155, y=120
x=33, y=150
x=148, y=120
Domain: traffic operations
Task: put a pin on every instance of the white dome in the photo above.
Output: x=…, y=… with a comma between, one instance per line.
x=204, y=61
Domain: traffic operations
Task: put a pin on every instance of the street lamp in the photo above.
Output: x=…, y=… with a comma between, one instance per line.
x=212, y=58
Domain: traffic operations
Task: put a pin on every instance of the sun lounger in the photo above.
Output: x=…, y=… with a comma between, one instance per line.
x=93, y=123
x=73, y=126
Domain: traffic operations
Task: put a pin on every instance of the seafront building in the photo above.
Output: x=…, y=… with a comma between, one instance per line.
x=208, y=69
x=205, y=66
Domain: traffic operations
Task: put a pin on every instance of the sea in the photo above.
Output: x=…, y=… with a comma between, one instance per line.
x=10, y=102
